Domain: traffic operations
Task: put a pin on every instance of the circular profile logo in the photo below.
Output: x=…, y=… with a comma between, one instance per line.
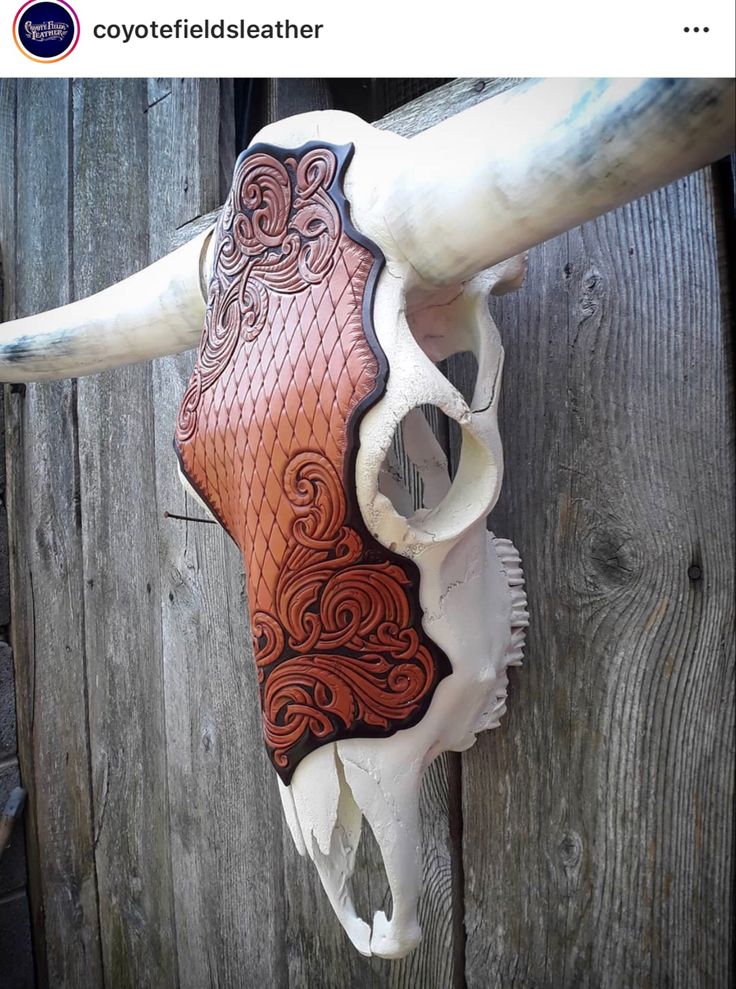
x=46, y=30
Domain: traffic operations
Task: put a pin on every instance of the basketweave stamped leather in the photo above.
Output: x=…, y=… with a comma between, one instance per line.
x=267, y=434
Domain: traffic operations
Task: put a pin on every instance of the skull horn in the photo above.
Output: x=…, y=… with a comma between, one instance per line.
x=542, y=158
x=158, y=311
x=482, y=186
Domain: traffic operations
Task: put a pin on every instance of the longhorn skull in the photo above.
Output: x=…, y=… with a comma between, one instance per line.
x=345, y=263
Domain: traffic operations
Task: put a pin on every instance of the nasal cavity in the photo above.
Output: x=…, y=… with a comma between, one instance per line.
x=415, y=472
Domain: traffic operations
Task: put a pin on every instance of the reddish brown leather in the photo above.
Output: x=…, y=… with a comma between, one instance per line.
x=267, y=434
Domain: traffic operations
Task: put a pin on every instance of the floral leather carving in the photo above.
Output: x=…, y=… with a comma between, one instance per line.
x=267, y=435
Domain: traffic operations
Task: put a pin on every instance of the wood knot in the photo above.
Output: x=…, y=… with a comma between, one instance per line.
x=614, y=555
x=569, y=857
x=570, y=847
x=591, y=293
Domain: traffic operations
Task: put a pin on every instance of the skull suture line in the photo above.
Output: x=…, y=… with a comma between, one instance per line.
x=380, y=640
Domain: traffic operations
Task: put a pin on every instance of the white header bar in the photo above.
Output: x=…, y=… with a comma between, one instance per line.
x=381, y=38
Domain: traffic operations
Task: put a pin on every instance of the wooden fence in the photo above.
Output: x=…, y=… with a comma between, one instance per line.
x=587, y=842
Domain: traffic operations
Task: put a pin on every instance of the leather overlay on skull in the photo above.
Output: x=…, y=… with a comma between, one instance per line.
x=267, y=434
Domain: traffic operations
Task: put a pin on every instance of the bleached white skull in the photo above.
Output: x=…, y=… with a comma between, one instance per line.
x=440, y=210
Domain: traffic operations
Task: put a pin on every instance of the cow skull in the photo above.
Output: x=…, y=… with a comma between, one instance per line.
x=341, y=646
x=435, y=217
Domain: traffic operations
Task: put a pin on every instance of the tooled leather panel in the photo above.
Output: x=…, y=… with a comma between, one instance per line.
x=267, y=434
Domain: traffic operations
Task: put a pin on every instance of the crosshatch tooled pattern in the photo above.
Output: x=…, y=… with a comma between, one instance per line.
x=265, y=433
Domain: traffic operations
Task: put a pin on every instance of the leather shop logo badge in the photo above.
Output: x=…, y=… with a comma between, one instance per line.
x=46, y=30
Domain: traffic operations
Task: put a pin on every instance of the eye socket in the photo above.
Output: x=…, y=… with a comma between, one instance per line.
x=415, y=474
x=409, y=482
x=416, y=478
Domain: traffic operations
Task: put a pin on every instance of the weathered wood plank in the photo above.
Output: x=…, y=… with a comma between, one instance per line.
x=120, y=559
x=439, y=104
x=225, y=811
x=598, y=826
x=8, y=737
x=227, y=139
x=46, y=571
x=8, y=88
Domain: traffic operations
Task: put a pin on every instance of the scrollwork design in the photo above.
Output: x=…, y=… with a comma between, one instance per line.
x=341, y=648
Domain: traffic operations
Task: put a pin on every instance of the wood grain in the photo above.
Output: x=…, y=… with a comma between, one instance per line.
x=127, y=735
x=8, y=104
x=46, y=568
x=225, y=810
x=439, y=104
x=598, y=819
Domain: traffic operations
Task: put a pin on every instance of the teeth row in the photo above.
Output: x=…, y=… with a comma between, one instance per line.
x=508, y=554
x=511, y=562
x=515, y=657
x=519, y=613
